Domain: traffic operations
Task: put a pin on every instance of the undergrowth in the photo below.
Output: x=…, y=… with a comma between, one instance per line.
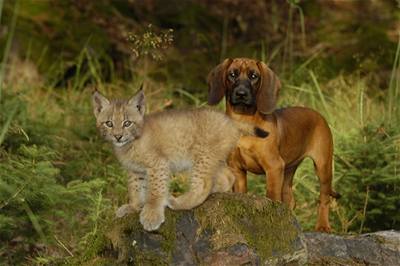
x=59, y=180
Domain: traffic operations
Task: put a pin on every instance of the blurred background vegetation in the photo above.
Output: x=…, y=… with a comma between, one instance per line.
x=59, y=181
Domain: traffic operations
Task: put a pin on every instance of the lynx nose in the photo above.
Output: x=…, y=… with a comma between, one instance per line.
x=118, y=137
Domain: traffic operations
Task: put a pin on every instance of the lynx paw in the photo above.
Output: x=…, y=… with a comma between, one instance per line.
x=126, y=209
x=151, y=217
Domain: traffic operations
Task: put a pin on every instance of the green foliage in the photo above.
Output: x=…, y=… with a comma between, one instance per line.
x=59, y=181
x=369, y=163
x=32, y=198
x=34, y=201
x=53, y=180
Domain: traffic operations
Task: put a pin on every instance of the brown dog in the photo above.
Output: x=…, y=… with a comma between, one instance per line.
x=251, y=90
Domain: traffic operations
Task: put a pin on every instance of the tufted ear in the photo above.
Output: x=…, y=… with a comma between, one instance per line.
x=216, y=82
x=268, y=91
x=138, y=101
x=99, y=102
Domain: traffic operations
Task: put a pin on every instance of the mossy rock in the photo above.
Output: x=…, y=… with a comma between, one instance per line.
x=228, y=229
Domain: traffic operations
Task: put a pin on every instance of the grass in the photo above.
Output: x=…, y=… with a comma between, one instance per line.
x=10, y=38
x=62, y=122
x=59, y=180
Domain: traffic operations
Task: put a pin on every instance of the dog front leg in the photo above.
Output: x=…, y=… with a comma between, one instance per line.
x=240, y=185
x=274, y=169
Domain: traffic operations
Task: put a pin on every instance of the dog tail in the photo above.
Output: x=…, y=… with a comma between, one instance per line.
x=335, y=195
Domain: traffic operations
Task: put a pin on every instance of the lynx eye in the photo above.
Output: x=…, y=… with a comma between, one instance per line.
x=109, y=124
x=127, y=123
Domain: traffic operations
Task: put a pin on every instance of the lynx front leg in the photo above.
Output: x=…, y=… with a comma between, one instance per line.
x=136, y=189
x=201, y=184
x=152, y=214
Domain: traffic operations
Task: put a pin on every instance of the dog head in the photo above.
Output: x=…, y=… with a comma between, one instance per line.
x=247, y=84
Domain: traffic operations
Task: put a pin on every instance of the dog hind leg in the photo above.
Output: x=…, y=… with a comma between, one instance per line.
x=287, y=191
x=323, y=170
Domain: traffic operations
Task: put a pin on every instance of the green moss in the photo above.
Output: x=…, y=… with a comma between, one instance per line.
x=149, y=258
x=225, y=219
x=117, y=240
x=100, y=242
x=265, y=226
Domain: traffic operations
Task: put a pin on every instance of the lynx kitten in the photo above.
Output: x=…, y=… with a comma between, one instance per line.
x=151, y=147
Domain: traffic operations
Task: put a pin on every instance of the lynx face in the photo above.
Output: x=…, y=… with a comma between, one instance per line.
x=119, y=121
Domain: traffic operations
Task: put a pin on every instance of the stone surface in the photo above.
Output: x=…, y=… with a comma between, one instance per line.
x=234, y=229
x=379, y=248
x=228, y=229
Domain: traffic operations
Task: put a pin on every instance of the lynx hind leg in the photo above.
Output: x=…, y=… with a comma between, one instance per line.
x=136, y=190
x=224, y=180
x=201, y=184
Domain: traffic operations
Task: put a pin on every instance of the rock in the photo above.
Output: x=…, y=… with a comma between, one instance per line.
x=228, y=229
x=379, y=248
x=234, y=229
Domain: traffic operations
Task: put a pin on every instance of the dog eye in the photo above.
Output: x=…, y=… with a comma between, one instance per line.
x=253, y=76
x=232, y=74
x=127, y=123
x=109, y=124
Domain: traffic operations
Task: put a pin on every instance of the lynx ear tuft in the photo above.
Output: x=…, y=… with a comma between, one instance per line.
x=139, y=101
x=99, y=102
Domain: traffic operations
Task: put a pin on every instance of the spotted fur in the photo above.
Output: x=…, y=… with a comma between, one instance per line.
x=151, y=147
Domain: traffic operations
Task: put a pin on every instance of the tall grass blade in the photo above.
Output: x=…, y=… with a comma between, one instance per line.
x=294, y=3
x=263, y=57
x=394, y=96
x=8, y=44
x=34, y=221
x=275, y=53
x=196, y=101
x=1, y=9
x=94, y=67
x=6, y=125
x=320, y=94
x=309, y=60
x=360, y=90
x=224, y=41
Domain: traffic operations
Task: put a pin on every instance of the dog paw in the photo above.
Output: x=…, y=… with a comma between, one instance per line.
x=323, y=228
x=151, y=217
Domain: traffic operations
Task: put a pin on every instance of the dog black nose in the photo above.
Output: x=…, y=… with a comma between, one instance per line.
x=241, y=93
x=118, y=137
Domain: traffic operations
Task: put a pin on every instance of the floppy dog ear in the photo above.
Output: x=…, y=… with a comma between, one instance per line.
x=268, y=91
x=216, y=82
